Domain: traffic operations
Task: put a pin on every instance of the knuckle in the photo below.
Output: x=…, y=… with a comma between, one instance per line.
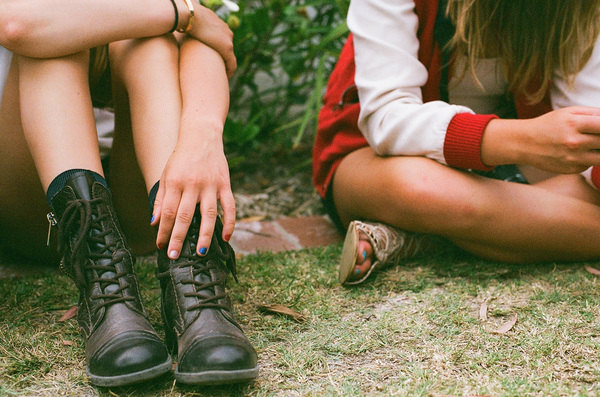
x=169, y=213
x=572, y=142
x=210, y=213
x=185, y=217
x=228, y=207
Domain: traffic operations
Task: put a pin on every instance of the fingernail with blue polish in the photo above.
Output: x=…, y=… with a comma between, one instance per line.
x=364, y=255
x=203, y=251
x=152, y=219
x=357, y=272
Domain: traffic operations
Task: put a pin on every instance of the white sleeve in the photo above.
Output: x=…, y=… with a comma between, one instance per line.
x=389, y=77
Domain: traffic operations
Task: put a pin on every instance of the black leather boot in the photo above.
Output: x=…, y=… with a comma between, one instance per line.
x=199, y=321
x=121, y=347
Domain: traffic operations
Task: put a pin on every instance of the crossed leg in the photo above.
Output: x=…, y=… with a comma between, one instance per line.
x=555, y=220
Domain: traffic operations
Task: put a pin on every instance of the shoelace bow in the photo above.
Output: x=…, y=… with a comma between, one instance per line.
x=80, y=214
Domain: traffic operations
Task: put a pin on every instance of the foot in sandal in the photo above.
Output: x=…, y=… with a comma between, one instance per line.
x=370, y=244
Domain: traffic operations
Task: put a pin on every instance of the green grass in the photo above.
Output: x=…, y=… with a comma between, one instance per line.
x=411, y=330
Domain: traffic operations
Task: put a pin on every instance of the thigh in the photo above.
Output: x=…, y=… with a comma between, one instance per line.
x=414, y=193
x=494, y=219
x=23, y=206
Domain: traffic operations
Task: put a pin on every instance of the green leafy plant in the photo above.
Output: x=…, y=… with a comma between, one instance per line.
x=285, y=51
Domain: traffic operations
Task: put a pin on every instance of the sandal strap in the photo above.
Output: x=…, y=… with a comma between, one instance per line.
x=390, y=245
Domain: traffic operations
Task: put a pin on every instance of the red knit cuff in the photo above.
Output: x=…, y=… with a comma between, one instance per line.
x=596, y=177
x=462, y=146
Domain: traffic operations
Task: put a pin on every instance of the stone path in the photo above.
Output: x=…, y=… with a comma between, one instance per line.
x=250, y=236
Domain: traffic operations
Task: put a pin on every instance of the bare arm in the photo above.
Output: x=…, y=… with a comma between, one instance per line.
x=57, y=28
x=197, y=171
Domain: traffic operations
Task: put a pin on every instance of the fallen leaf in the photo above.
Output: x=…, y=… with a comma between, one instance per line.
x=483, y=311
x=283, y=310
x=593, y=271
x=507, y=326
x=66, y=342
x=69, y=314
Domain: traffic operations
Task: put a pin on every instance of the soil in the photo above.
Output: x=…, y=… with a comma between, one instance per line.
x=275, y=184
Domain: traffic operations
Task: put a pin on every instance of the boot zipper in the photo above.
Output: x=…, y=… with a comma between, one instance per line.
x=51, y=223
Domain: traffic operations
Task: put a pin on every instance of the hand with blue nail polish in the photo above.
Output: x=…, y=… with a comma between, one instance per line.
x=196, y=173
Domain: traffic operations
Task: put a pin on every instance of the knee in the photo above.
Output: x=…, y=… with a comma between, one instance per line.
x=428, y=194
x=13, y=26
x=146, y=47
x=127, y=57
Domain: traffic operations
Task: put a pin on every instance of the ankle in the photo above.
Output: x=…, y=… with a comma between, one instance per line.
x=60, y=181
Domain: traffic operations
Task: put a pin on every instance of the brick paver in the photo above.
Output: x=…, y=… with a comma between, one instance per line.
x=250, y=237
x=284, y=234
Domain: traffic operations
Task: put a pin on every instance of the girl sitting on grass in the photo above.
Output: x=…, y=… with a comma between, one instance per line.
x=470, y=120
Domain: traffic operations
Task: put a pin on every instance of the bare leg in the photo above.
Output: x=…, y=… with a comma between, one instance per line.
x=23, y=207
x=492, y=219
x=141, y=130
x=58, y=121
x=148, y=71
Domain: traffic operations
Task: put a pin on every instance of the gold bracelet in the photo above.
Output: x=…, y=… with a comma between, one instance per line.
x=190, y=19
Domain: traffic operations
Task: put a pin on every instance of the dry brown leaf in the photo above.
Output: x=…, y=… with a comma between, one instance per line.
x=507, y=326
x=593, y=271
x=283, y=310
x=483, y=311
x=72, y=312
x=66, y=342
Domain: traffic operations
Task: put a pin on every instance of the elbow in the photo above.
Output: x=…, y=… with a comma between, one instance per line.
x=13, y=28
x=377, y=141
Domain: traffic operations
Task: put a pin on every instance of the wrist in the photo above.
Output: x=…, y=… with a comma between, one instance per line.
x=186, y=10
x=499, y=145
x=207, y=128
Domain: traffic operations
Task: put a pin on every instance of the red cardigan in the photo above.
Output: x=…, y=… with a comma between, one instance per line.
x=338, y=133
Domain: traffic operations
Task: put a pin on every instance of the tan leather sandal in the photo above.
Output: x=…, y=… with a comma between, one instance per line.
x=390, y=246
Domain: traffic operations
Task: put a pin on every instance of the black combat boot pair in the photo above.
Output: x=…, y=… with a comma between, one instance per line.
x=121, y=346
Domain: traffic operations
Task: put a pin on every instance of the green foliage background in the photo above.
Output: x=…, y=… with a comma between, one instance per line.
x=285, y=51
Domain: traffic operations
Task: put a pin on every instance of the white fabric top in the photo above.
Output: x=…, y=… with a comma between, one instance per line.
x=105, y=120
x=389, y=77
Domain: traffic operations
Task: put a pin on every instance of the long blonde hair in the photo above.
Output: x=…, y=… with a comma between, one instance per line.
x=534, y=38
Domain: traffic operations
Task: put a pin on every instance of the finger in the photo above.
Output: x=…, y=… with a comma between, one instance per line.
x=584, y=110
x=228, y=205
x=168, y=212
x=588, y=124
x=590, y=141
x=208, y=209
x=185, y=214
x=589, y=159
x=154, y=219
x=230, y=64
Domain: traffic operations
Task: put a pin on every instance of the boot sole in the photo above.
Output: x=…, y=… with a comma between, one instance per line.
x=217, y=377
x=128, y=379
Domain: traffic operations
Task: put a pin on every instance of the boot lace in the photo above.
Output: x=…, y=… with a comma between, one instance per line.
x=220, y=255
x=82, y=220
